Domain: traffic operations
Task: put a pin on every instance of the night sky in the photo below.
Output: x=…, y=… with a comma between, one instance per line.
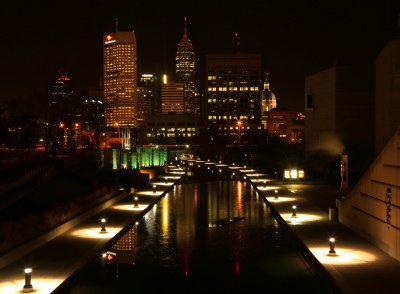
x=294, y=38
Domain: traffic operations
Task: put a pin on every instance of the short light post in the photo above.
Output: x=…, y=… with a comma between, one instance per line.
x=154, y=188
x=136, y=201
x=276, y=195
x=103, y=225
x=239, y=124
x=28, y=286
x=294, y=214
x=332, y=246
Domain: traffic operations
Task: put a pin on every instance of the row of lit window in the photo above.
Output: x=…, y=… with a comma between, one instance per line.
x=117, y=66
x=184, y=130
x=170, y=135
x=123, y=56
x=230, y=117
x=224, y=89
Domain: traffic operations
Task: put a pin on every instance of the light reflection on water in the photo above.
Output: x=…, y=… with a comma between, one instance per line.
x=204, y=236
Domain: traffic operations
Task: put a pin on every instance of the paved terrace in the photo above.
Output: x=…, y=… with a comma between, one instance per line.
x=357, y=266
x=57, y=255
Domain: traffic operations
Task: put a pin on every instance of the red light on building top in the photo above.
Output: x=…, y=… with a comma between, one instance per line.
x=109, y=37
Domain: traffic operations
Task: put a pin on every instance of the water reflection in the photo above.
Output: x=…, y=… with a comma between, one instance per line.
x=124, y=250
x=209, y=235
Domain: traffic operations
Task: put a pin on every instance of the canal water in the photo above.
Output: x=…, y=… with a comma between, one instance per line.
x=204, y=236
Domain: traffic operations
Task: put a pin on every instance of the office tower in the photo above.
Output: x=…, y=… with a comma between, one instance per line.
x=172, y=97
x=61, y=106
x=150, y=102
x=120, y=79
x=92, y=119
x=185, y=72
x=233, y=93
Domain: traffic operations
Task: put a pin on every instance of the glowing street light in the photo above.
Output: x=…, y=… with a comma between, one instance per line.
x=119, y=133
x=135, y=201
x=28, y=286
x=332, y=246
x=276, y=195
x=154, y=188
x=239, y=124
x=294, y=207
x=103, y=225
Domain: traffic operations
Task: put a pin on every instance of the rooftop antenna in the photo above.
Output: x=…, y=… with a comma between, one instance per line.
x=116, y=25
x=184, y=32
x=236, y=42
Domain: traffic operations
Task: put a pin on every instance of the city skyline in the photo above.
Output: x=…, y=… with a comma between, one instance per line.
x=294, y=39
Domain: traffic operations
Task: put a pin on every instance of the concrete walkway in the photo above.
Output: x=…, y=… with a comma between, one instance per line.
x=357, y=266
x=57, y=255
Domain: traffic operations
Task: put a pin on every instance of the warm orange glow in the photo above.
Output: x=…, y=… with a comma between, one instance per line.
x=94, y=233
x=345, y=256
x=301, y=218
x=267, y=188
x=130, y=207
x=109, y=37
x=150, y=192
x=42, y=283
x=280, y=199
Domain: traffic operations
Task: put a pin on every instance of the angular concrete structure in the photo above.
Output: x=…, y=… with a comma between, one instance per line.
x=372, y=207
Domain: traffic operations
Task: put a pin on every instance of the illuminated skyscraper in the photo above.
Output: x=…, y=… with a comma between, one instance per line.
x=120, y=79
x=185, y=72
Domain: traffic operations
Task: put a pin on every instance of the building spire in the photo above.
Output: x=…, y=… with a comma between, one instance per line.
x=184, y=31
x=236, y=42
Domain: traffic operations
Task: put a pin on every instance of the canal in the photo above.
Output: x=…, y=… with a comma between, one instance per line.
x=204, y=236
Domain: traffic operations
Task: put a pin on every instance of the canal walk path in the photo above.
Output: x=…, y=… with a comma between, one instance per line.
x=58, y=254
x=357, y=266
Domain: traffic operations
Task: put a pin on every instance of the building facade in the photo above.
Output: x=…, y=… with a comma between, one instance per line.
x=172, y=97
x=120, y=79
x=340, y=115
x=286, y=125
x=61, y=106
x=387, y=93
x=268, y=102
x=185, y=73
x=232, y=93
x=171, y=128
x=151, y=91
